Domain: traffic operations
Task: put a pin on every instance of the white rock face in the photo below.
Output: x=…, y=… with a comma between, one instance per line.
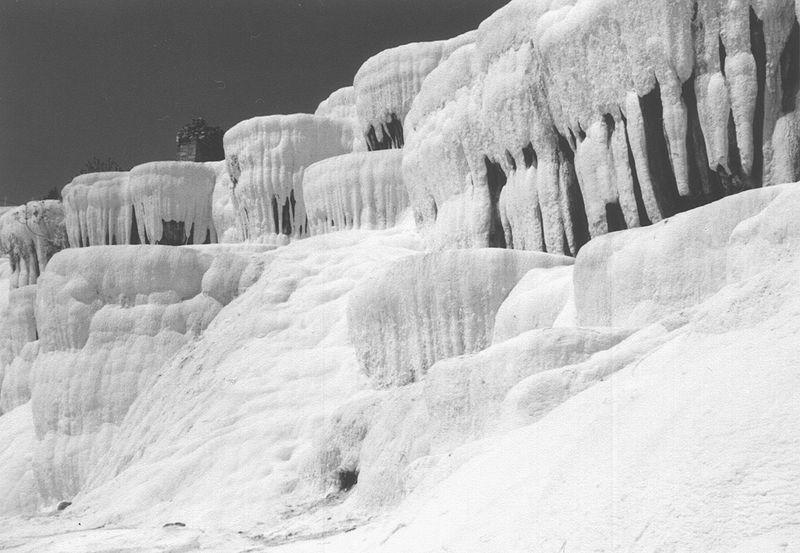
x=5, y=281
x=386, y=84
x=633, y=278
x=16, y=479
x=566, y=121
x=359, y=190
x=223, y=207
x=104, y=209
x=104, y=316
x=98, y=210
x=663, y=435
x=395, y=438
x=341, y=104
x=266, y=159
x=17, y=332
x=15, y=387
x=30, y=235
x=523, y=403
x=431, y=307
x=536, y=302
x=256, y=388
x=172, y=201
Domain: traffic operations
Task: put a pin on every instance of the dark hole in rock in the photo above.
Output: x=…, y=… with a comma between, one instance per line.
x=178, y=524
x=511, y=161
x=614, y=217
x=790, y=69
x=63, y=505
x=660, y=168
x=275, y=221
x=529, y=154
x=608, y=119
x=758, y=46
x=392, y=135
x=704, y=182
x=347, y=479
x=174, y=233
x=576, y=206
x=644, y=219
x=287, y=215
x=496, y=179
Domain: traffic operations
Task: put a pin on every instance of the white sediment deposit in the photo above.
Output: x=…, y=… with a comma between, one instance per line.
x=172, y=201
x=29, y=236
x=267, y=157
x=358, y=190
x=630, y=385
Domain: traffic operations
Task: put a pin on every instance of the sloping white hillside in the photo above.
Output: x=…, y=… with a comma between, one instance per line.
x=392, y=384
x=680, y=436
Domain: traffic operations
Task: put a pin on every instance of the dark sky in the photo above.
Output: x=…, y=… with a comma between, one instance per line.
x=114, y=78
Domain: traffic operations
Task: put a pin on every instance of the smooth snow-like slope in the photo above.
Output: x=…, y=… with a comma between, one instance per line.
x=229, y=422
x=683, y=437
x=691, y=447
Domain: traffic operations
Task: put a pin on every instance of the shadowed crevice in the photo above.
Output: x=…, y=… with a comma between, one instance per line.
x=496, y=180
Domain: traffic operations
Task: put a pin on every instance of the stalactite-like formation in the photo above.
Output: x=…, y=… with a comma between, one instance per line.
x=165, y=203
x=602, y=118
x=99, y=210
x=223, y=210
x=387, y=83
x=172, y=202
x=358, y=190
x=267, y=157
x=30, y=235
x=428, y=307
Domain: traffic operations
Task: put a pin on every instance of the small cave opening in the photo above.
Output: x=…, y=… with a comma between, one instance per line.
x=134, y=239
x=392, y=135
x=347, y=479
x=530, y=157
x=287, y=214
x=614, y=217
x=659, y=161
x=275, y=219
x=734, y=181
x=704, y=183
x=611, y=125
x=496, y=180
x=790, y=70
x=644, y=219
x=174, y=234
x=575, y=203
